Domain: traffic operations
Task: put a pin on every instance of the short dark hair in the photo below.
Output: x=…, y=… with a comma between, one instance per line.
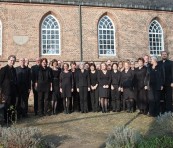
x=72, y=63
x=12, y=56
x=66, y=64
x=141, y=59
x=92, y=64
x=114, y=64
x=53, y=61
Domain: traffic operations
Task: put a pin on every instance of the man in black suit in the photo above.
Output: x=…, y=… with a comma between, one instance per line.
x=168, y=81
x=34, y=72
x=24, y=87
x=8, y=88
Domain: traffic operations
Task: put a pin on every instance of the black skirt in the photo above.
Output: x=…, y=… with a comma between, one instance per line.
x=104, y=92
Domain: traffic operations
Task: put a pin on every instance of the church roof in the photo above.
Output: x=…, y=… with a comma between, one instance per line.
x=164, y=5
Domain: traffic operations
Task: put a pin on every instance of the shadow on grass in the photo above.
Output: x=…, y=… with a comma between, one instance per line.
x=35, y=119
x=56, y=139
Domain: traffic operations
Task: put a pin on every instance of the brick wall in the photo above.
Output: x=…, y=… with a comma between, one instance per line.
x=131, y=30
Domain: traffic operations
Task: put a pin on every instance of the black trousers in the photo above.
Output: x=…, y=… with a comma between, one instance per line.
x=95, y=99
x=76, y=101
x=154, y=102
x=35, y=100
x=83, y=94
x=43, y=102
x=9, y=107
x=22, y=103
x=115, y=99
x=167, y=98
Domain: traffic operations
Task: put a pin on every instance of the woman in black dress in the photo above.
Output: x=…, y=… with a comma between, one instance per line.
x=104, y=79
x=44, y=86
x=115, y=88
x=94, y=88
x=127, y=86
x=140, y=92
x=66, y=87
x=154, y=84
x=55, y=83
x=83, y=86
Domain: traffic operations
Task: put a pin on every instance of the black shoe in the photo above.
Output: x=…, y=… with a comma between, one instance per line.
x=65, y=111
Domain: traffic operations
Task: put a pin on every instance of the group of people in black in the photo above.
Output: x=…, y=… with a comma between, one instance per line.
x=145, y=84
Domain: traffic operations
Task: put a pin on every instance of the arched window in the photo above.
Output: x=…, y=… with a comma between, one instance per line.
x=156, y=42
x=106, y=37
x=0, y=37
x=50, y=36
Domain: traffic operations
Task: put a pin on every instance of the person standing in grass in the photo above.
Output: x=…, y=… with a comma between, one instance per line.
x=66, y=87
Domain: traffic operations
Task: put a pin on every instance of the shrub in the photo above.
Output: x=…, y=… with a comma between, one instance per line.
x=165, y=121
x=123, y=137
x=22, y=138
x=157, y=142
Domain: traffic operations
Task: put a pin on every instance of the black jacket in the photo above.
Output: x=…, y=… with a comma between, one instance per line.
x=34, y=73
x=82, y=79
x=154, y=78
x=8, y=80
x=44, y=79
x=167, y=72
x=23, y=78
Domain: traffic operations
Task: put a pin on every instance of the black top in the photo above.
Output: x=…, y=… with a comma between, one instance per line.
x=104, y=79
x=140, y=75
x=56, y=79
x=34, y=73
x=8, y=80
x=127, y=79
x=44, y=78
x=154, y=77
x=82, y=78
x=23, y=78
x=168, y=71
x=115, y=78
x=94, y=78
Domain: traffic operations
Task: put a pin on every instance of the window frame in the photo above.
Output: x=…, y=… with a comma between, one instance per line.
x=98, y=36
x=160, y=42
x=59, y=30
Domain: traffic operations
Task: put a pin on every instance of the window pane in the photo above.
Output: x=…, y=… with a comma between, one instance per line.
x=50, y=35
x=155, y=38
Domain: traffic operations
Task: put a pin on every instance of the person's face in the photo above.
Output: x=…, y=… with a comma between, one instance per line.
x=120, y=65
x=132, y=65
x=164, y=55
x=153, y=61
x=37, y=61
x=66, y=67
x=44, y=64
x=81, y=66
x=73, y=66
x=98, y=67
x=115, y=67
x=59, y=63
x=55, y=64
x=126, y=66
x=103, y=67
x=92, y=68
x=86, y=66
x=26, y=62
x=22, y=62
x=109, y=67
x=108, y=62
x=140, y=63
x=11, y=61
x=146, y=59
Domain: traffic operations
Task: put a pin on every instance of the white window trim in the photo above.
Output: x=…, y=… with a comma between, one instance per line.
x=163, y=49
x=114, y=31
x=59, y=38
